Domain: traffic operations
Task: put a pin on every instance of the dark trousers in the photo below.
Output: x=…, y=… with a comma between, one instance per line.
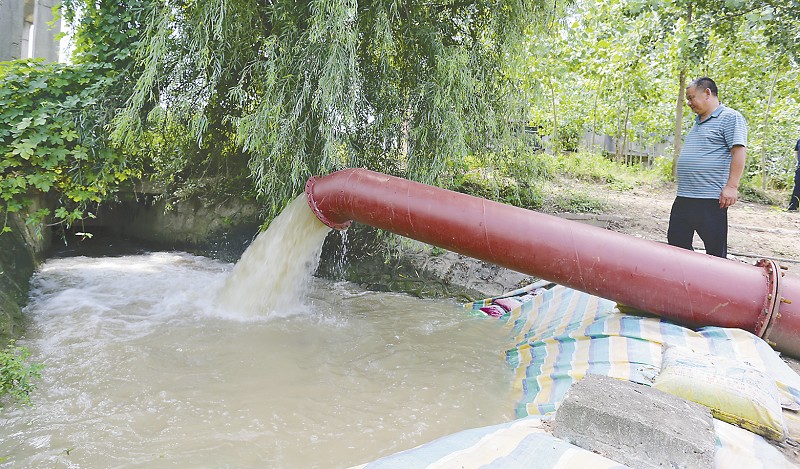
x=703, y=216
x=795, y=201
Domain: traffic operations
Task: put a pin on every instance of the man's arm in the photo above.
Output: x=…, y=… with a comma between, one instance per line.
x=730, y=193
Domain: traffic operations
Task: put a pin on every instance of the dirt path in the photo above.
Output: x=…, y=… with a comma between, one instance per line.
x=755, y=230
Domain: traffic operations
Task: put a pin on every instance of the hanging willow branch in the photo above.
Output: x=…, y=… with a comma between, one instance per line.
x=405, y=87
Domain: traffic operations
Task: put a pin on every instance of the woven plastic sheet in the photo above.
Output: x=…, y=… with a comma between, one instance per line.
x=523, y=443
x=559, y=335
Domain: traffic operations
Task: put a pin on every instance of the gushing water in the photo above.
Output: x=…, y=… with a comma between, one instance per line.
x=274, y=272
x=144, y=368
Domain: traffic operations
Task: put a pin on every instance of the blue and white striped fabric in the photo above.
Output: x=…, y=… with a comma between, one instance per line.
x=523, y=443
x=705, y=161
x=559, y=335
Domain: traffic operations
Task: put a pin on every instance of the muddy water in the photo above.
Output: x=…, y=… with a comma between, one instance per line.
x=146, y=368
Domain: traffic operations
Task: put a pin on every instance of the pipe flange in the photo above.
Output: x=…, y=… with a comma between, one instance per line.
x=312, y=203
x=767, y=317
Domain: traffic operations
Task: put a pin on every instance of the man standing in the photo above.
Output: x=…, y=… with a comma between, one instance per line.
x=709, y=168
x=795, y=201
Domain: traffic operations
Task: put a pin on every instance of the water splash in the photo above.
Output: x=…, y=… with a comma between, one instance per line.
x=274, y=273
x=342, y=262
x=338, y=257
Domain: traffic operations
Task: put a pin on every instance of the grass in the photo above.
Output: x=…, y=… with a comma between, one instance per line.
x=528, y=180
x=575, y=201
x=545, y=182
x=594, y=167
x=768, y=197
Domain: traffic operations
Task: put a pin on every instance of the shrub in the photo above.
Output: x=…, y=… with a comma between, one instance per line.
x=52, y=140
x=16, y=374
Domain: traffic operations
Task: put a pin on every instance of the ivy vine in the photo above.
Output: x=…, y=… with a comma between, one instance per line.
x=52, y=140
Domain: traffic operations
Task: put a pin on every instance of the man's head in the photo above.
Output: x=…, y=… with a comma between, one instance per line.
x=701, y=95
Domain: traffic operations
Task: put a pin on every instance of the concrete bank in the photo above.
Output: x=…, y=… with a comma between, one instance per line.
x=21, y=251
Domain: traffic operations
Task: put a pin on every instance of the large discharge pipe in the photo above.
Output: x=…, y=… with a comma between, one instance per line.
x=680, y=285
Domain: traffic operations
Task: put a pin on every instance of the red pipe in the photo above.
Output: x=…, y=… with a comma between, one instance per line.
x=680, y=285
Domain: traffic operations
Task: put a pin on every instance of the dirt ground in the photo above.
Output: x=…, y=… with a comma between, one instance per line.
x=755, y=230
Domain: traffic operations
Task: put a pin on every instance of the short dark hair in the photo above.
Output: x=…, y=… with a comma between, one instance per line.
x=704, y=83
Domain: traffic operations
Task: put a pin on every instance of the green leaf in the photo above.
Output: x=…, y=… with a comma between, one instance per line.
x=24, y=149
x=72, y=101
x=43, y=182
x=79, y=153
x=68, y=134
x=24, y=123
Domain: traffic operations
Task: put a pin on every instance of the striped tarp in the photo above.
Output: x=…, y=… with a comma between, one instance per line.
x=559, y=335
x=523, y=443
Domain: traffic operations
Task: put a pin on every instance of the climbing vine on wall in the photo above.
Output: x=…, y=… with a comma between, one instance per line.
x=54, y=118
x=52, y=140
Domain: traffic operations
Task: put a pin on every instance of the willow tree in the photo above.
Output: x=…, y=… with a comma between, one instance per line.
x=406, y=87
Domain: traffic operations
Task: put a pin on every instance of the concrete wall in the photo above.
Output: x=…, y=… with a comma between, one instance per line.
x=21, y=251
x=25, y=32
x=12, y=20
x=375, y=262
x=44, y=35
x=221, y=230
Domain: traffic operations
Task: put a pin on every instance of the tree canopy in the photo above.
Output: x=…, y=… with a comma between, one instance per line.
x=245, y=97
x=619, y=67
x=304, y=88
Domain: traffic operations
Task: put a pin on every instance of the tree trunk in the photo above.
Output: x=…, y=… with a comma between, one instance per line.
x=621, y=121
x=625, y=133
x=678, y=122
x=766, y=134
x=679, y=109
x=594, y=123
x=556, y=141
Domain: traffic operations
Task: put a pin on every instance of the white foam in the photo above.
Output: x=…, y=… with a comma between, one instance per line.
x=274, y=273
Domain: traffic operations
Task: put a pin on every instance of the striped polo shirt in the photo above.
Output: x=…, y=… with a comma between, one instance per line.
x=705, y=161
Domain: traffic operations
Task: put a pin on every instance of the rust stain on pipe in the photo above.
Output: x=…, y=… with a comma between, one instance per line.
x=680, y=285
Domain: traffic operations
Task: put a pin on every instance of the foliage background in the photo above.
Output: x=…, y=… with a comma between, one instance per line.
x=213, y=98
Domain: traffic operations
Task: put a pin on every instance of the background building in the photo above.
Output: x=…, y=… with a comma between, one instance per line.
x=27, y=30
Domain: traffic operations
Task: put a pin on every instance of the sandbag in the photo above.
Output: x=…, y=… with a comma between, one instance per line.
x=735, y=392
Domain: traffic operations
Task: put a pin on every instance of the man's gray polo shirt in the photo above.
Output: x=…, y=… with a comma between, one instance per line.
x=705, y=161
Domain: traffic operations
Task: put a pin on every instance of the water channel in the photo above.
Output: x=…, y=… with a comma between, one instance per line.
x=166, y=359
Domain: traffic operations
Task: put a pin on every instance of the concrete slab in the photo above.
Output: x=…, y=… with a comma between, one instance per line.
x=636, y=425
